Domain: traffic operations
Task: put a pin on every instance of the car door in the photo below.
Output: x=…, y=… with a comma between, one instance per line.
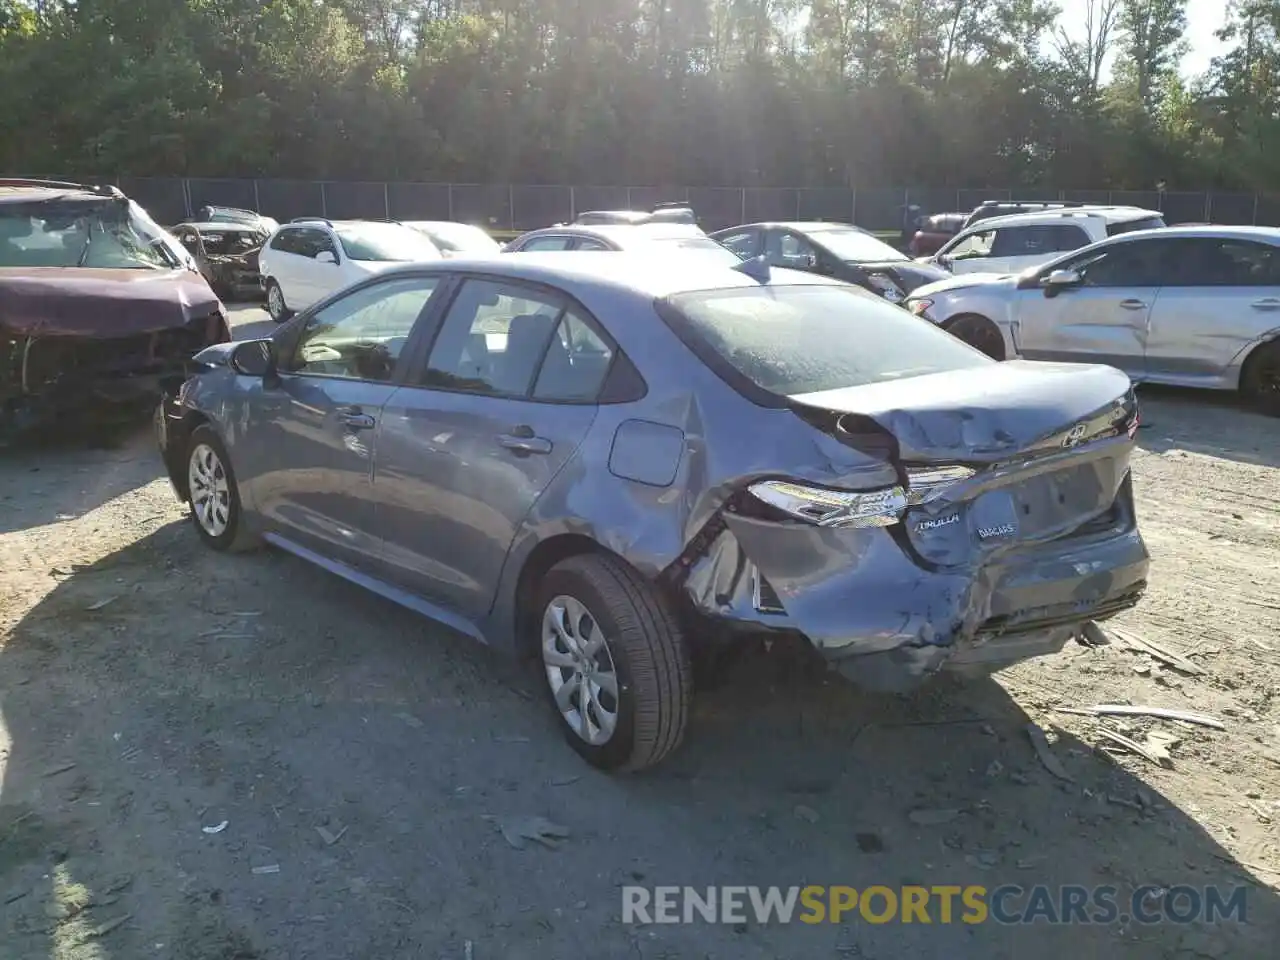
x=280, y=261
x=1219, y=295
x=1103, y=318
x=313, y=433
x=320, y=268
x=504, y=399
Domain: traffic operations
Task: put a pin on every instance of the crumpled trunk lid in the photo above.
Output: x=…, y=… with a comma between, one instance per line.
x=1017, y=453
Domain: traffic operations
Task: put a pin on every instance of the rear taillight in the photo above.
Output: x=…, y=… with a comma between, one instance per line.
x=882, y=507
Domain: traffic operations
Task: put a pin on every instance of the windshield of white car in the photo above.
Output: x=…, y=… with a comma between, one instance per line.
x=791, y=340
x=460, y=238
x=854, y=246
x=385, y=242
x=105, y=235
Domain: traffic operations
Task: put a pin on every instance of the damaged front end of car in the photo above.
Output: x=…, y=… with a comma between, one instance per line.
x=68, y=356
x=974, y=539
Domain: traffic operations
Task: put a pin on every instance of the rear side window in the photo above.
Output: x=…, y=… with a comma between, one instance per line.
x=789, y=340
x=1128, y=226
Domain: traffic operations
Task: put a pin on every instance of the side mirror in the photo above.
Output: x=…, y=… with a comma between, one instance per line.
x=254, y=358
x=1059, y=280
x=326, y=256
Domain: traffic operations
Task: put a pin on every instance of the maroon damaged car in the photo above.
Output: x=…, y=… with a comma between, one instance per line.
x=99, y=306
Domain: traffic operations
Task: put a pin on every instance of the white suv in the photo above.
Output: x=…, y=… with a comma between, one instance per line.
x=1003, y=245
x=306, y=260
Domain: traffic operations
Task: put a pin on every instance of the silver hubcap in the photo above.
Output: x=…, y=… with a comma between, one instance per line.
x=210, y=493
x=580, y=670
x=275, y=300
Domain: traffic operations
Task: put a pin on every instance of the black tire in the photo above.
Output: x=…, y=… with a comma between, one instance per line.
x=647, y=651
x=979, y=333
x=235, y=537
x=276, y=306
x=1260, y=379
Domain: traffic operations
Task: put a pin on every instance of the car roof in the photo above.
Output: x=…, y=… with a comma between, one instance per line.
x=622, y=233
x=619, y=271
x=1109, y=214
x=800, y=226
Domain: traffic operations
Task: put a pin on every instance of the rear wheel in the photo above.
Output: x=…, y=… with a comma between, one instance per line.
x=616, y=664
x=980, y=333
x=1260, y=380
x=275, y=303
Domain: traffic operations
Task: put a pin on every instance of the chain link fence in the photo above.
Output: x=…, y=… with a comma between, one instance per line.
x=508, y=208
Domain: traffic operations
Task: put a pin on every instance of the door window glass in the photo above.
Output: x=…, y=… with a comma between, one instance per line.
x=1223, y=262
x=576, y=362
x=973, y=246
x=493, y=339
x=586, y=243
x=287, y=241
x=546, y=243
x=1137, y=264
x=361, y=336
x=790, y=250
x=744, y=244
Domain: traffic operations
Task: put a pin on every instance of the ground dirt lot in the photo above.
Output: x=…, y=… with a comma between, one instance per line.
x=357, y=751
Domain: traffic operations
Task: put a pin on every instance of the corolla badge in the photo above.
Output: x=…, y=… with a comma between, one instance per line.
x=1075, y=435
x=926, y=525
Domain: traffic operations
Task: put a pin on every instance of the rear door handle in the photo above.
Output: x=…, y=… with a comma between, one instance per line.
x=1266, y=303
x=356, y=420
x=1133, y=304
x=522, y=440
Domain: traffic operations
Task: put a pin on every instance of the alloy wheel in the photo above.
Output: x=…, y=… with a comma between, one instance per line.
x=210, y=492
x=580, y=670
x=275, y=301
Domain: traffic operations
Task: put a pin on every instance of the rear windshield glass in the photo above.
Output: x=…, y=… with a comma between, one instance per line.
x=703, y=246
x=854, y=246
x=790, y=340
x=1147, y=223
x=385, y=241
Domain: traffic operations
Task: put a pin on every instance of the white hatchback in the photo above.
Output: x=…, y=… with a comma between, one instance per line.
x=306, y=260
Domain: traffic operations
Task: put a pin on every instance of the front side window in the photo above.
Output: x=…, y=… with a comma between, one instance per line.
x=790, y=250
x=385, y=242
x=790, y=340
x=1133, y=264
x=537, y=244
x=745, y=244
x=361, y=336
x=971, y=247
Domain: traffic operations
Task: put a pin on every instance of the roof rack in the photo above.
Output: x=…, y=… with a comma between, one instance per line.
x=105, y=189
x=1036, y=203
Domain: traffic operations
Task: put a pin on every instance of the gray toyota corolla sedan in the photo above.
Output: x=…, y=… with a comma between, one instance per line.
x=613, y=464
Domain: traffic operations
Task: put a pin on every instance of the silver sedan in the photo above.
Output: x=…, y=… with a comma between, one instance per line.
x=1185, y=306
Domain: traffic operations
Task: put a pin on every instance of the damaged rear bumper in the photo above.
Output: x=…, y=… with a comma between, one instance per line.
x=888, y=620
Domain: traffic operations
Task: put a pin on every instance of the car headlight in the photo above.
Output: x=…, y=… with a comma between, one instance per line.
x=920, y=307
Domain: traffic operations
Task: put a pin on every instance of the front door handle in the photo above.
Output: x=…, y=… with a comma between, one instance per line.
x=521, y=440
x=1133, y=304
x=1266, y=303
x=356, y=420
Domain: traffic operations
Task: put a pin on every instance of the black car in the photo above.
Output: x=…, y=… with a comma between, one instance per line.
x=836, y=250
x=227, y=254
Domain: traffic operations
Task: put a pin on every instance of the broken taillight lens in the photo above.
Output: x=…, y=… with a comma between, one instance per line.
x=861, y=508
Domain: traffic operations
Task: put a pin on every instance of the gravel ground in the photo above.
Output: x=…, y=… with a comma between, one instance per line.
x=151, y=690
